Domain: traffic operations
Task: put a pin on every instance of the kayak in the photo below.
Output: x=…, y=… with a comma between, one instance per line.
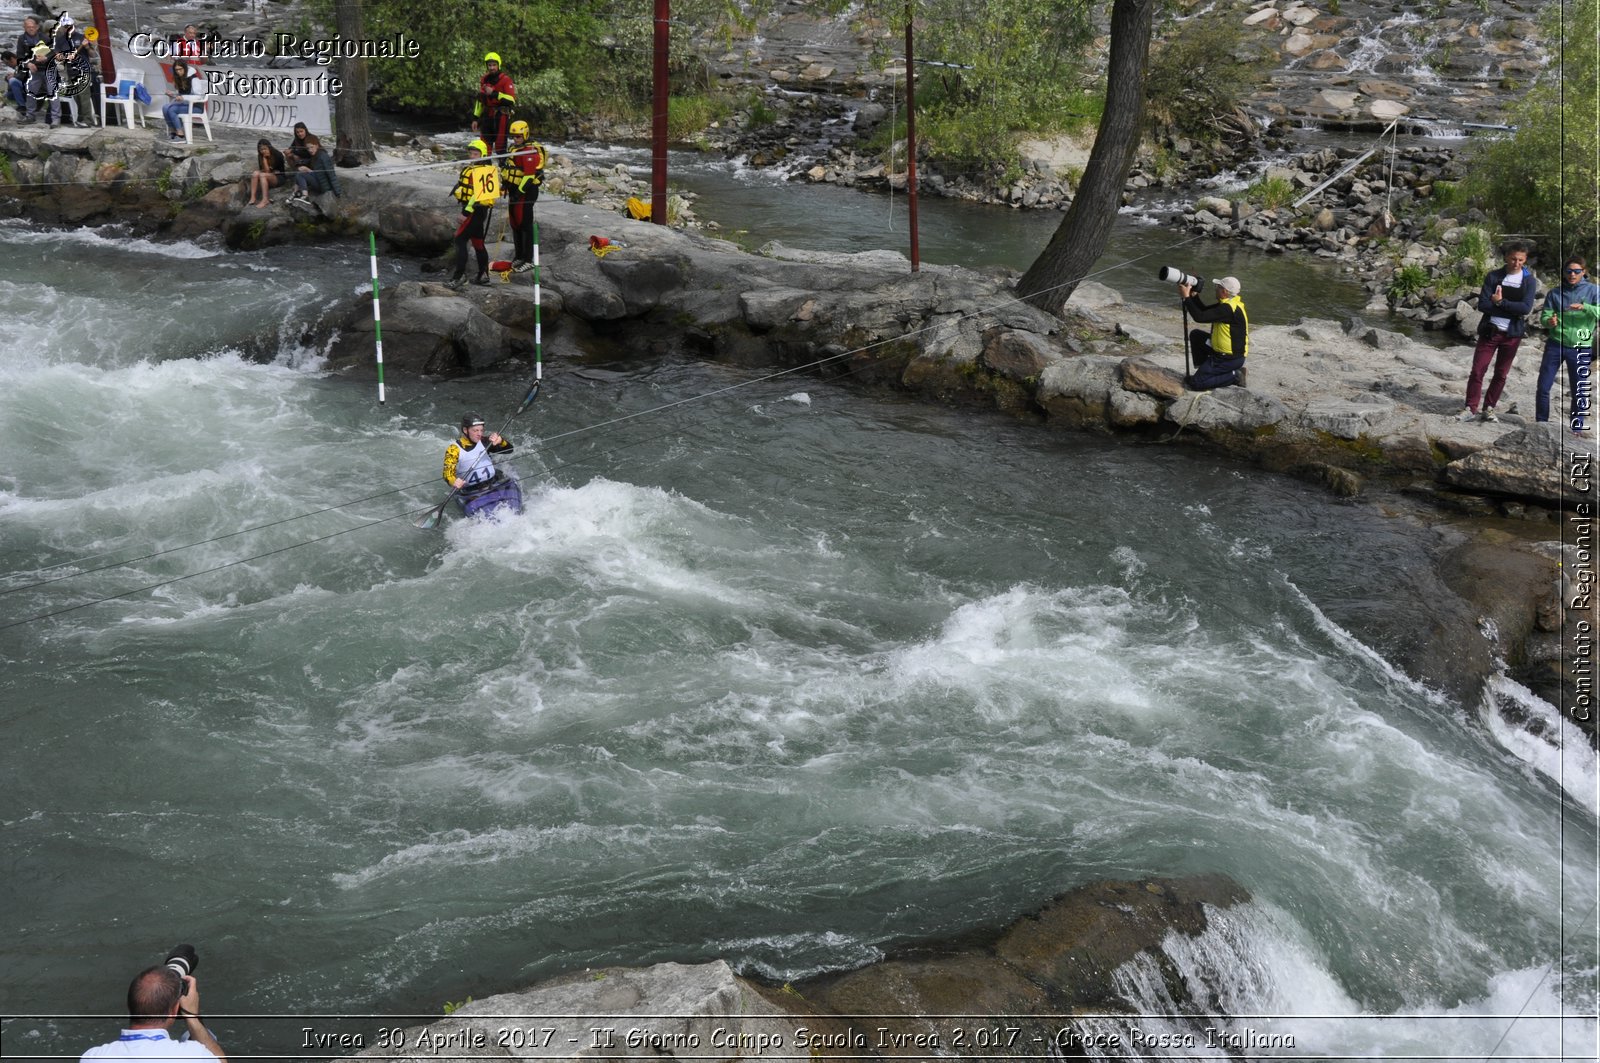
x=501, y=492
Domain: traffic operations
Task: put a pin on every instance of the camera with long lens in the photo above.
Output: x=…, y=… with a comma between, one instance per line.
x=182, y=960
x=1173, y=275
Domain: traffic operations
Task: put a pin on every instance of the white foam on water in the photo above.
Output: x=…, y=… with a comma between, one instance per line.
x=113, y=238
x=1560, y=751
x=452, y=850
x=1254, y=982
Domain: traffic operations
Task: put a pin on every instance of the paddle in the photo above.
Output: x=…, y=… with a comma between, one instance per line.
x=430, y=519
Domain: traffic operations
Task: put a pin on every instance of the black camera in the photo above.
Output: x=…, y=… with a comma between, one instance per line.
x=182, y=960
x=1172, y=275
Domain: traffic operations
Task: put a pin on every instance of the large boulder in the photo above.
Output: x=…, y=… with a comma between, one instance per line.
x=1237, y=410
x=429, y=330
x=1536, y=462
x=1077, y=391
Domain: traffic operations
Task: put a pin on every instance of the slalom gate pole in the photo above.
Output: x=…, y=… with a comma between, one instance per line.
x=538, y=324
x=377, y=319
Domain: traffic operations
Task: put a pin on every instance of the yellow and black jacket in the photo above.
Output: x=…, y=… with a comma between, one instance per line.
x=524, y=170
x=478, y=186
x=474, y=460
x=1230, y=325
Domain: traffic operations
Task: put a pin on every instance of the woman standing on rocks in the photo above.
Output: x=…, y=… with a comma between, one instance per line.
x=1506, y=301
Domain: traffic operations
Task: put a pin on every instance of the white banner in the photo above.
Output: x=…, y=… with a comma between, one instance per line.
x=244, y=97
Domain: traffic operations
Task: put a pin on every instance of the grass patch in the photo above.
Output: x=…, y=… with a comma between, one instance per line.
x=688, y=115
x=1407, y=281
x=1271, y=192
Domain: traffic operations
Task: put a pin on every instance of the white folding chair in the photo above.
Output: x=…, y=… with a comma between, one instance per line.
x=188, y=120
x=132, y=109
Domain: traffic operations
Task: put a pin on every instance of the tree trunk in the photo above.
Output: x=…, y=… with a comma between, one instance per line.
x=353, y=129
x=1082, y=235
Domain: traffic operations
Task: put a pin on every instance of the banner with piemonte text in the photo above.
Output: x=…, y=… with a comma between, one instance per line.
x=243, y=97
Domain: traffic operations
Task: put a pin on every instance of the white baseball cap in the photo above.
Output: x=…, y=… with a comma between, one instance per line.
x=1230, y=284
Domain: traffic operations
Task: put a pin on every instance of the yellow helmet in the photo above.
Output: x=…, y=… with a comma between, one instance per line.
x=478, y=146
x=519, y=128
x=492, y=57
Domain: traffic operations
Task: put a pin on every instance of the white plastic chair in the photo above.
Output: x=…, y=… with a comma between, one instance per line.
x=131, y=108
x=192, y=117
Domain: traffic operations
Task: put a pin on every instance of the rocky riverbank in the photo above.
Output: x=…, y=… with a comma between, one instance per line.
x=1007, y=993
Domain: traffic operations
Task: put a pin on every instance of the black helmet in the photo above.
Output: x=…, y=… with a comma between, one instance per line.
x=470, y=419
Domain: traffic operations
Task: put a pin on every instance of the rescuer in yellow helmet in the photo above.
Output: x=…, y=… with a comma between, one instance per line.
x=476, y=190
x=521, y=175
x=497, y=99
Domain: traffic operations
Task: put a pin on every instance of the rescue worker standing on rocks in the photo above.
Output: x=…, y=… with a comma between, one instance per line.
x=497, y=98
x=476, y=190
x=1219, y=357
x=521, y=176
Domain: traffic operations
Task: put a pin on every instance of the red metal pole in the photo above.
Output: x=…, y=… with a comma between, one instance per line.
x=911, y=144
x=658, y=154
x=108, y=66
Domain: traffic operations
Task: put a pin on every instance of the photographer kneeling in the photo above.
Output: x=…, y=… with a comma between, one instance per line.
x=157, y=997
x=1219, y=357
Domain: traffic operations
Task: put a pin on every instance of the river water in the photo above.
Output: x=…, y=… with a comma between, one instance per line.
x=788, y=676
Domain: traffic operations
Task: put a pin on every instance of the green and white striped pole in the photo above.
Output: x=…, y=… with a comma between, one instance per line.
x=538, y=325
x=377, y=318
x=538, y=331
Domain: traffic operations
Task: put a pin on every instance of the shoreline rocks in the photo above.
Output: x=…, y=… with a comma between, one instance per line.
x=1059, y=959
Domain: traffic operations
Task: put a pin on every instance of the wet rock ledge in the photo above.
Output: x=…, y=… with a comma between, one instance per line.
x=1032, y=976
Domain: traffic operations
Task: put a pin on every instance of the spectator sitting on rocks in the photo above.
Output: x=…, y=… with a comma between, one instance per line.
x=188, y=98
x=30, y=72
x=316, y=176
x=1219, y=357
x=268, y=174
x=1506, y=300
x=71, y=48
x=16, y=87
x=297, y=154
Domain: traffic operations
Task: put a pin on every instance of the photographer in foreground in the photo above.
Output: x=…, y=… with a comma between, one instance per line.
x=158, y=997
x=1219, y=357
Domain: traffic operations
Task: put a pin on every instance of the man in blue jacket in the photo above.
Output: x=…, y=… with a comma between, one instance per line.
x=1506, y=300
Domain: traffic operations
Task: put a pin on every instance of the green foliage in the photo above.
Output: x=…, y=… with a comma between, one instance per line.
x=688, y=115
x=1198, y=75
x=1017, y=67
x=5, y=169
x=1448, y=196
x=1406, y=282
x=760, y=114
x=1541, y=179
x=1477, y=247
x=452, y=1008
x=548, y=48
x=1271, y=192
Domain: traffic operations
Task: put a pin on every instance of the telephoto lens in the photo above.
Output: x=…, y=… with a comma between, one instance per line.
x=1172, y=275
x=182, y=959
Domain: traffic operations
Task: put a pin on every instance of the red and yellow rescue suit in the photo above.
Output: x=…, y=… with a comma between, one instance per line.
x=521, y=176
x=492, y=113
x=476, y=190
